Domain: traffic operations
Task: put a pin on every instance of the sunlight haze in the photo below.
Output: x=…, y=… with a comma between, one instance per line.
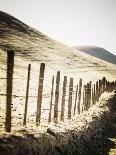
x=72, y=22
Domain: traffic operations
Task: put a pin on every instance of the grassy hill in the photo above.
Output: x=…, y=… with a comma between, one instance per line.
x=33, y=46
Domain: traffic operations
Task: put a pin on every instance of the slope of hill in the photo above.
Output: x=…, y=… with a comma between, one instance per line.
x=98, y=52
x=32, y=45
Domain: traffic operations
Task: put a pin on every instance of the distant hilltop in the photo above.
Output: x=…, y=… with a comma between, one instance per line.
x=98, y=52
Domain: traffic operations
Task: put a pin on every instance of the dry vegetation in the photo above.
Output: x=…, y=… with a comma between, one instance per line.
x=33, y=47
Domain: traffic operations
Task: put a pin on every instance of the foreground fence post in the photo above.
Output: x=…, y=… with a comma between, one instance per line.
x=56, y=97
x=10, y=66
x=75, y=99
x=63, y=98
x=79, y=95
x=70, y=97
x=51, y=100
x=40, y=91
x=27, y=93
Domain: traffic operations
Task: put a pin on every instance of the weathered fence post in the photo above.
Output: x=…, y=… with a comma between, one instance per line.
x=63, y=98
x=83, y=99
x=86, y=95
x=56, y=97
x=27, y=93
x=40, y=91
x=96, y=91
x=90, y=83
x=10, y=66
x=99, y=88
x=79, y=95
x=88, y=103
x=92, y=95
x=51, y=100
x=75, y=99
x=70, y=97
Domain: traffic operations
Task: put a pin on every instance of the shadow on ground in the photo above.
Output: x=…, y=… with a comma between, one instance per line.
x=109, y=146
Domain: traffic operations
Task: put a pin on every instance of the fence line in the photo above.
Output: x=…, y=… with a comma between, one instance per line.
x=84, y=96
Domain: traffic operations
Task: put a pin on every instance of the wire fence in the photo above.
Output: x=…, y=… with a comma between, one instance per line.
x=59, y=99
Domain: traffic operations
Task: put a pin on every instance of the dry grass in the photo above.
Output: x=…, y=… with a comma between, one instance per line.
x=83, y=133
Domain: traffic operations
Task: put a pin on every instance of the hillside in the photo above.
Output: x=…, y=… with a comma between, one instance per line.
x=31, y=46
x=98, y=52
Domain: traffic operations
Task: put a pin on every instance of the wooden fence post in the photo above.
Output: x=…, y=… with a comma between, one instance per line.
x=88, y=103
x=63, y=98
x=56, y=97
x=40, y=91
x=51, y=100
x=70, y=97
x=27, y=93
x=75, y=99
x=79, y=95
x=90, y=91
x=97, y=91
x=10, y=66
x=99, y=88
x=83, y=99
x=94, y=94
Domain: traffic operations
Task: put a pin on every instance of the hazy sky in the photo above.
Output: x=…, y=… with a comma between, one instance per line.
x=73, y=22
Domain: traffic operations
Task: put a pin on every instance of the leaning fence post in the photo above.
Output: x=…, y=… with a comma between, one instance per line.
x=75, y=99
x=49, y=119
x=10, y=66
x=56, y=97
x=63, y=98
x=40, y=91
x=70, y=97
x=27, y=93
x=79, y=95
